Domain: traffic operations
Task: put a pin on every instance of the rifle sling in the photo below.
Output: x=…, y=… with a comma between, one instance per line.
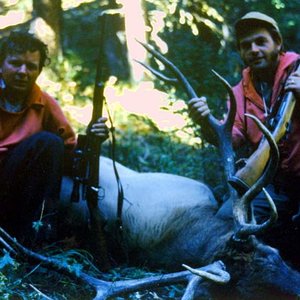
x=120, y=203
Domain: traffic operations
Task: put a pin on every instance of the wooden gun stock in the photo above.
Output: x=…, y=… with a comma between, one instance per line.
x=255, y=165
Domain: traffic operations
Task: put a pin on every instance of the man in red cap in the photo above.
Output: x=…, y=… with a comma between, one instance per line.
x=268, y=74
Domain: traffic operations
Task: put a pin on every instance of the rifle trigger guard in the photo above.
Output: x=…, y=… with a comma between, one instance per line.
x=94, y=189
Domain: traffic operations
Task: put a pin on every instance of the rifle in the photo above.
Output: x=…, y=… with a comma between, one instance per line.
x=87, y=158
x=255, y=165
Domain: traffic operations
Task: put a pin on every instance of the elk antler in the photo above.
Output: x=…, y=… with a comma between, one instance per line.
x=220, y=276
x=245, y=222
x=214, y=272
x=221, y=130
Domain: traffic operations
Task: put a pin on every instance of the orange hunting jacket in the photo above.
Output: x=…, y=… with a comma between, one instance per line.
x=42, y=113
x=249, y=101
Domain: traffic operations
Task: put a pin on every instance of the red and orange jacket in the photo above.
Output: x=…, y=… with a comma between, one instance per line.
x=42, y=113
x=249, y=101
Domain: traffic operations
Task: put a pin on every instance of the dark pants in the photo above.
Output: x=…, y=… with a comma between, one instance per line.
x=30, y=179
x=286, y=205
x=285, y=234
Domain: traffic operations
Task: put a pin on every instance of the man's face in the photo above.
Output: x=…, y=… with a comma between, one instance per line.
x=20, y=71
x=258, y=50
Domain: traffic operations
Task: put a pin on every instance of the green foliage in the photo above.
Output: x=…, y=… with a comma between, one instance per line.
x=37, y=225
x=78, y=44
x=12, y=285
x=25, y=282
x=6, y=260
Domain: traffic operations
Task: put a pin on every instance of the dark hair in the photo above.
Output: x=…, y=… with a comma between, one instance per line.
x=19, y=42
x=249, y=25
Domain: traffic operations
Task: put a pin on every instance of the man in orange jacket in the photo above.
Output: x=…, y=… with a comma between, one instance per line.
x=34, y=138
x=268, y=74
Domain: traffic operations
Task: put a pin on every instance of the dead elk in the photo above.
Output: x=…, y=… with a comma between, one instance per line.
x=169, y=220
x=180, y=223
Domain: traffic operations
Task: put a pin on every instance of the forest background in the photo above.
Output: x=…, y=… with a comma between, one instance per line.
x=152, y=126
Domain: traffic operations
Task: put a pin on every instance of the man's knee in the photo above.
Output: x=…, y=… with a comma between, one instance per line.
x=48, y=141
x=47, y=149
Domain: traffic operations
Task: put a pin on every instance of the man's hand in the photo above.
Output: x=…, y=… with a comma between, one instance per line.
x=100, y=129
x=293, y=84
x=198, y=109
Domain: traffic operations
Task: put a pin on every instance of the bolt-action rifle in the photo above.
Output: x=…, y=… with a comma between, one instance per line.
x=87, y=157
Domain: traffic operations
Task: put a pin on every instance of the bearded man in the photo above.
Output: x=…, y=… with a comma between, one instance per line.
x=269, y=73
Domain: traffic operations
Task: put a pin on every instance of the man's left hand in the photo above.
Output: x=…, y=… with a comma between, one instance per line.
x=100, y=129
x=293, y=84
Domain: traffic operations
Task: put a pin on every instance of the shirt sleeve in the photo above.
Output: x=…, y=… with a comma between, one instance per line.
x=238, y=129
x=56, y=122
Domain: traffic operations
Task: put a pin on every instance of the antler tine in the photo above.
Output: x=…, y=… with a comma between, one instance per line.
x=180, y=78
x=217, y=275
x=248, y=229
x=242, y=206
x=223, y=130
x=232, y=110
x=157, y=73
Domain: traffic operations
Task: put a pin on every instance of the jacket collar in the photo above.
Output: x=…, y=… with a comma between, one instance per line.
x=285, y=60
x=34, y=99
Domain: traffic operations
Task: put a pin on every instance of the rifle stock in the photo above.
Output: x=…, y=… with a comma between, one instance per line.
x=255, y=165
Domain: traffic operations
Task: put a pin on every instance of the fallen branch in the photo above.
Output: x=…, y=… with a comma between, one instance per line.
x=40, y=293
x=105, y=289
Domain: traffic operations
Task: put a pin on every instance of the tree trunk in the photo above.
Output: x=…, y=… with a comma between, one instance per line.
x=47, y=24
x=135, y=29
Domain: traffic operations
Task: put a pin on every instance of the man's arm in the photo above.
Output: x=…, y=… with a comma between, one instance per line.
x=199, y=112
